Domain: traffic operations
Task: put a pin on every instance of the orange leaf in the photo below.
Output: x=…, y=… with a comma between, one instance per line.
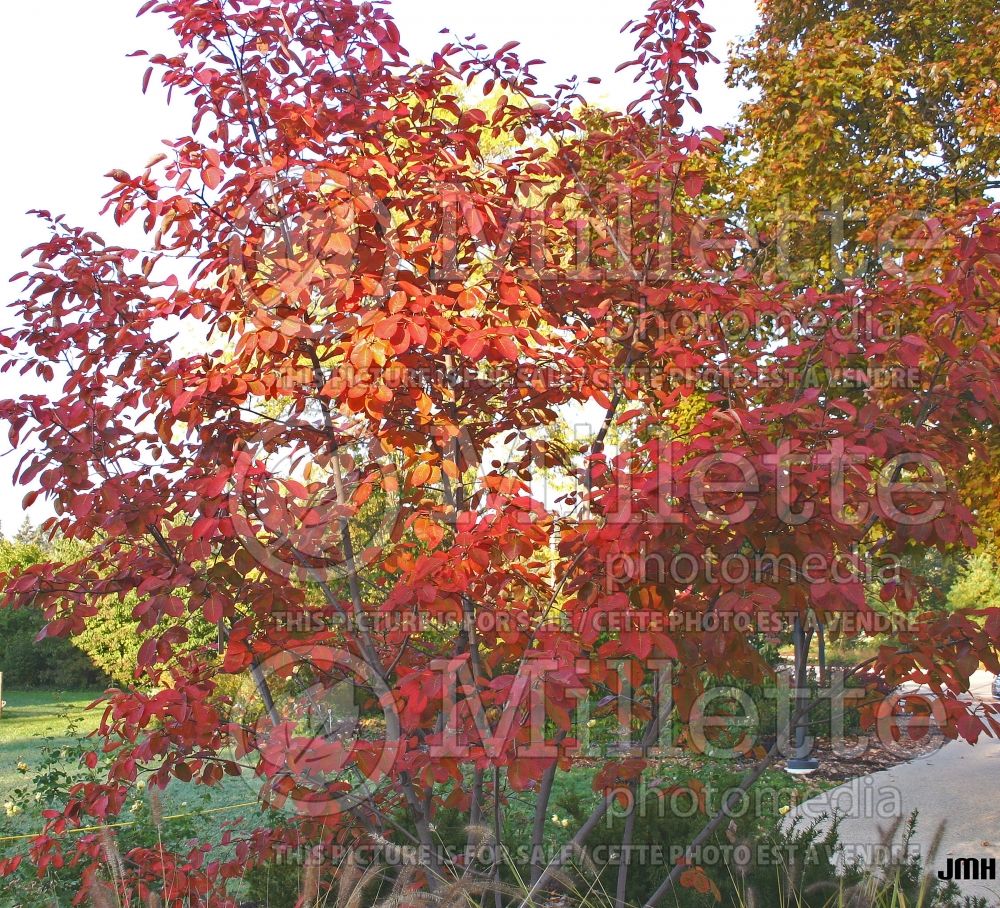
x=421, y=475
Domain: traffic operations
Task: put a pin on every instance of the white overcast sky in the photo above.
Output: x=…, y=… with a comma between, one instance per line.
x=74, y=108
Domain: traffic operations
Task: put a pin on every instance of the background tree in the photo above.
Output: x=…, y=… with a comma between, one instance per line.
x=866, y=115
x=978, y=583
x=25, y=660
x=869, y=123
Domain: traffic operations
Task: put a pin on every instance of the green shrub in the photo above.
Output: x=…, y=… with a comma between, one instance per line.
x=978, y=583
x=52, y=662
x=24, y=660
x=112, y=638
x=108, y=647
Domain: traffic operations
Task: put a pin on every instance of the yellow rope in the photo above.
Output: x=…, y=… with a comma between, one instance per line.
x=174, y=816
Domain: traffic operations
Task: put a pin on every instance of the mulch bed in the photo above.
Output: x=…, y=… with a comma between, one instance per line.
x=836, y=765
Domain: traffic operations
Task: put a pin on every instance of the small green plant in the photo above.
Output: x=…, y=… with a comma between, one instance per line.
x=808, y=873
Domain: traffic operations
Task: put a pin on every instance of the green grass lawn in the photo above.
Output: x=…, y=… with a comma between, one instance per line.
x=32, y=716
x=36, y=719
x=37, y=722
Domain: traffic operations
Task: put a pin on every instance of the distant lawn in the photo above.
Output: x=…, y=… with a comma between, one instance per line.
x=36, y=719
x=41, y=718
x=30, y=717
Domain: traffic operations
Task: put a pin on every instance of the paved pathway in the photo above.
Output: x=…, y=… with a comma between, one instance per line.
x=959, y=786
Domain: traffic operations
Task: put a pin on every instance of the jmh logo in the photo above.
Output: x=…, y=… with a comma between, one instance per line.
x=969, y=869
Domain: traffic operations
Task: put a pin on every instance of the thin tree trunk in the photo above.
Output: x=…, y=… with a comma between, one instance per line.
x=649, y=738
x=625, y=856
x=498, y=838
x=476, y=807
x=821, y=652
x=538, y=828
